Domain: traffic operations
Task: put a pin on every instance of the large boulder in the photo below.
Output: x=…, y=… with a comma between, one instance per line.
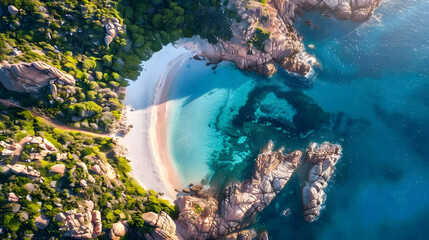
x=41, y=221
x=117, y=231
x=58, y=169
x=31, y=77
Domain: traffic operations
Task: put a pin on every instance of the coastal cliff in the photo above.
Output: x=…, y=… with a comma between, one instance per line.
x=264, y=36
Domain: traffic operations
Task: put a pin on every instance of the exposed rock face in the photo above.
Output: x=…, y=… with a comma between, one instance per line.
x=11, y=149
x=58, y=169
x=117, y=231
x=12, y=10
x=206, y=218
x=284, y=46
x=30, y=77
x=15, y=149
x=323, y=159
x=20, y=169
x=85, y=224
x=113, y=27
x=164, y=227
x=11, y=197
x=355, y=10
x=41, y=221
x=249, y=234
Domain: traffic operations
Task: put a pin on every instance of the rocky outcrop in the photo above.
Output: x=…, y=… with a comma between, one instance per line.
x=31, y=77
x=11, y=197
x=23, y=170
x=10, y=149
x=284, y=45
x=82, y=224
x=208, y=218
x=117, y=231
x=355, y=10
x=322, y=159
x=248, y=234
x=12, y=10
x=113, y=27
x=58, y=169
x=15, y=149
x=164, y=227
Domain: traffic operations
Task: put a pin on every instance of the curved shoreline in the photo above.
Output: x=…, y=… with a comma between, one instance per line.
x=148, y=149
x=159, y=130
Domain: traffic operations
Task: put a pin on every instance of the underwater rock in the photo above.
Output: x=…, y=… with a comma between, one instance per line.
x=207, y=218
x=323, y=159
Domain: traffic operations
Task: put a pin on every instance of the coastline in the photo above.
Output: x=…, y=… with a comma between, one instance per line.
x=147, y=141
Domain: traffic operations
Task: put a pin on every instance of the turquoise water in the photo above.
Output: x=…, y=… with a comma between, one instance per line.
x=371, y=95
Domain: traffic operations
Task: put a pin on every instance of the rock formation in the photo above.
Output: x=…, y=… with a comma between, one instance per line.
x=12, y=10
x=23, y=170
x=58, y=169
x=15, y=149
x=11, y=197
x=164, y=227
x=82, y=224
x=284, y=45
x=117, y=231
x=355, y=10
x=248, y=234
x=322, y=159
x=208, y=218
x=30, y=77
x=113, y=27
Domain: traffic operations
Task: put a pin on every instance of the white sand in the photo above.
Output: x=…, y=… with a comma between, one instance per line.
x=147, y=140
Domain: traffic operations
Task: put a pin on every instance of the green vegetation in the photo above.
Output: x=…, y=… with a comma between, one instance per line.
x=117, y=199
x=258, y=39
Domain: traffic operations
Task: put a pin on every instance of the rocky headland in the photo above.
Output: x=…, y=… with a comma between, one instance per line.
x=204, y=216
x=264, y=36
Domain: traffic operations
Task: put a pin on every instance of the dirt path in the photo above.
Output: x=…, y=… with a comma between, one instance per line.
x=53, y=123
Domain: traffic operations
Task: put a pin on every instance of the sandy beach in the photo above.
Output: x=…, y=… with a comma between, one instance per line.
x=147, y=111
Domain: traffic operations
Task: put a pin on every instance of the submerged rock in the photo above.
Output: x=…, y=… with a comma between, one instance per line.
x=323, y=159
x=208, y=218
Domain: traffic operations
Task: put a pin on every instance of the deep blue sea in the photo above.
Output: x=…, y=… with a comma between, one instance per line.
x=370, y=94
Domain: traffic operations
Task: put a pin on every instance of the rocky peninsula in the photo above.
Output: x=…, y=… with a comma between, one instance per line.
x=264, y=36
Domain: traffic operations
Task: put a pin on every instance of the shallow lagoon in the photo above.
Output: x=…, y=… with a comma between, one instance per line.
x=370, y=95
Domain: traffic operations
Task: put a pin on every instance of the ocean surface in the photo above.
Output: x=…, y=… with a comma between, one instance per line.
x=370, y=94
